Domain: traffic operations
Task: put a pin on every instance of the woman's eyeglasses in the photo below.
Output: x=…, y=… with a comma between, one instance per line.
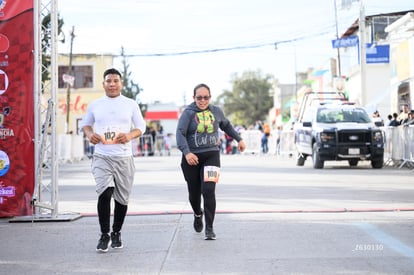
x=199, y=98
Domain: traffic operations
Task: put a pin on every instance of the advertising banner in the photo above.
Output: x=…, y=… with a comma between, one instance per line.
x=345, y=42
x=17, y=171
x=378, y=53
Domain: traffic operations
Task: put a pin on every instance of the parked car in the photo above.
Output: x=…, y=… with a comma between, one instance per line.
x=338, y=131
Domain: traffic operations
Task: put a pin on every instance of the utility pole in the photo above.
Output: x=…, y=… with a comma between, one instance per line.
x=337, y=37
x=296, y=71
x=362, y=53
x=184, y=99
x=68, y=84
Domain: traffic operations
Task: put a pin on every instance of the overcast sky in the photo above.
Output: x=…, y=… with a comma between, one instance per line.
x=176, y=44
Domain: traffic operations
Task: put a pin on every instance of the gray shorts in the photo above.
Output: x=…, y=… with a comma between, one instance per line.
x=114, y=171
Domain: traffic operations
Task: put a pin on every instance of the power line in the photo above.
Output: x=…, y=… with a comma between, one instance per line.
x=260, y=45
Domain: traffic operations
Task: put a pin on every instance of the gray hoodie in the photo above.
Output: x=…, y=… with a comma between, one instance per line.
x=197, y=129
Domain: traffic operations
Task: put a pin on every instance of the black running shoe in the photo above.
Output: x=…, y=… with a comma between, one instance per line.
x=103, y=243
x=198, y=222
x=116, y=240
x=210, y=235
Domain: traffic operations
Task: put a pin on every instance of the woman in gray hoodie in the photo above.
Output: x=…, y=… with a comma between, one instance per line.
x=198, y=139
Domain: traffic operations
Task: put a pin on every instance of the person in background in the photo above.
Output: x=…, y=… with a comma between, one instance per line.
x=265, y=138
x=403, y=114
x=111, y=122
x=152, y=140
x=394, y=121
x=279, y=134
x=409, y=120
x=389, y=117
x=168, y=143
x=198, y=139
x=159, y=141
x=229, y=141
x=223, y=142
x=377, y=118
x=258, y=126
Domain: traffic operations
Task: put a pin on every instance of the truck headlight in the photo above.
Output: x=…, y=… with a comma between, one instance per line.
x=326, y=137
x=377, y=136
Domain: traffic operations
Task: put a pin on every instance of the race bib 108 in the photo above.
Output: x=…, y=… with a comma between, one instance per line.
x=211, y=173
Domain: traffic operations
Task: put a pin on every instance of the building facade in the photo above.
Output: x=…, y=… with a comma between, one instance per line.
x=401, y=38
x=87, y=72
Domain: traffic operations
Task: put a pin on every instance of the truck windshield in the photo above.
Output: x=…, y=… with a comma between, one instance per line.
x=328, y=115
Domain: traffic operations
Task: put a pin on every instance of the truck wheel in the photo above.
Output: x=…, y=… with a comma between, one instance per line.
x=353, y=162
x=377, y=163
x=317, y=162
x=300, y=160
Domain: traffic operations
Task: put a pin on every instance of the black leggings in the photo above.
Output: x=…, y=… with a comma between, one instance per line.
x=104, y=212
x=197, y=186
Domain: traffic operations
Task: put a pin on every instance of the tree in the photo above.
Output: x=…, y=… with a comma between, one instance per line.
x=129, y=87
x=249, y=99
x=46, y=43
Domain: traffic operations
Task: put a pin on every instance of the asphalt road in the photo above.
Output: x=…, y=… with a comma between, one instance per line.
x=273, y=218
x=251, y=183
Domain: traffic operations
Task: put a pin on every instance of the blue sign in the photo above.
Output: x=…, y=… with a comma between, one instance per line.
x=378, y=53
x=346, y=42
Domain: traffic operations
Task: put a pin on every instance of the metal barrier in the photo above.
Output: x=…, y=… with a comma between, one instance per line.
x=144, y=146
x=279, y=142
x=252, y=139
x=287, y=143
x=399, y=144
x=399, y=147
x=159, y=145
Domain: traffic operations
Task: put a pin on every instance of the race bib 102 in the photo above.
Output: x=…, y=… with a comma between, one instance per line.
x=109, y=135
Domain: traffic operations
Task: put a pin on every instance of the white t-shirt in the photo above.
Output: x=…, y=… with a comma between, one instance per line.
x=111, y=116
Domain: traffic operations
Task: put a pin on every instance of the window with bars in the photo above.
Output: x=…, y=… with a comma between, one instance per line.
x=379, y=24
x=83, y=76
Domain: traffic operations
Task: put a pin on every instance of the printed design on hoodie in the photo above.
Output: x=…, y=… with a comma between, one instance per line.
x=205, y=135
x=205, y=122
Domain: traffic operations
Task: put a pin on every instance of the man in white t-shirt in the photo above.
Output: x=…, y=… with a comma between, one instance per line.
x=111, y=122
x=403, y=114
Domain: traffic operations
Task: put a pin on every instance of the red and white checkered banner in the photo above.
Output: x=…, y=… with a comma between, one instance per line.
x=16, y=107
